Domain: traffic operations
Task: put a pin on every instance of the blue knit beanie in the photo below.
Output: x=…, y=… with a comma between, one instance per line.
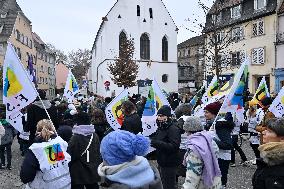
x=122, y=146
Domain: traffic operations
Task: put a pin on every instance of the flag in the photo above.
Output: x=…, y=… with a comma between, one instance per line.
x=234, y=101
x=277, y=106
x=71, y=87
x=261, y=93
x=31, y=69
x=225, y=89
x=18, y=90
x=211, y=91
x=197, y=96
x=113, y=111
x=155, y=100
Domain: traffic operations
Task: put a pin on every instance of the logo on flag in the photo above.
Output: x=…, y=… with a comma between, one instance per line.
x=12, y=86
x=113, y=111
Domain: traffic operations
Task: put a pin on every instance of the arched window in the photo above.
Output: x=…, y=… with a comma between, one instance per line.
x=165, y=78
x=165, y=49
x=122, y=40
x=151, y=12
x=144, y=47
x=138, y=10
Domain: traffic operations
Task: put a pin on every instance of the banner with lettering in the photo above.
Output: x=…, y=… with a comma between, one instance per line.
x=277, y=106
x=18, y=90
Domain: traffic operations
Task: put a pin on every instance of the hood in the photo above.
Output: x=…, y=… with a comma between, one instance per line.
x=46, y=103
x=135, y=174
x=272, y=153
x=85, y=130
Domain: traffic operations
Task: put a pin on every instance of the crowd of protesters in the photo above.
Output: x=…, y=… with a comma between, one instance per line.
x=75, y=147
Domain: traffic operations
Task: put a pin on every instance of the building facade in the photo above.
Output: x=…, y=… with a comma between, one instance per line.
x=155, y=39
x=279, y=64
x=191, y=64
x=61, y=76
x=251, y=28
x=45, y=67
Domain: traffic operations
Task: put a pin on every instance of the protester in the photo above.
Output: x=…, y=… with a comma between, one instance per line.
x=123, y=166
x=98, y=119
x=85, y=154
x=210, y=113
x=65, y=129
x=167, y=140
x=235, y=137
x=141, y=105
x=6, y=140
x=182, y=112
x=201, y=157
x=36, y=112
x=132, y=121
x=223, y=139
x=46, y=162
x=270, y=167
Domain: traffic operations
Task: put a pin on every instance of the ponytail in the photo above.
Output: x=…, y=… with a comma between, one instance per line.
x=45, y=129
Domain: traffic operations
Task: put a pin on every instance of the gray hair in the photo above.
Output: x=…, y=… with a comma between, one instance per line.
x=276, y=125
x=183, y=110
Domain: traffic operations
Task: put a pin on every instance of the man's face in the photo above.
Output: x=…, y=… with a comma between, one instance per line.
x=162, y=118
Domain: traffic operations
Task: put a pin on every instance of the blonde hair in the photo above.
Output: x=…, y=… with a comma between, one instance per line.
x=45, y=129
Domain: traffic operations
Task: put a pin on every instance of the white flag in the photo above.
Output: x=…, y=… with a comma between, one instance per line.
x=18, y=90
x=113, y=111
x=71, y=87
x=211, y=91
x=277, y=106
x=15, y=119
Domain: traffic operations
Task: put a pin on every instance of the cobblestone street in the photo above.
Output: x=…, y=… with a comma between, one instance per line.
x=239, y=176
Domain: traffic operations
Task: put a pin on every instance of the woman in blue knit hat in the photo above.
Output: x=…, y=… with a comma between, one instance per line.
x=124, y=166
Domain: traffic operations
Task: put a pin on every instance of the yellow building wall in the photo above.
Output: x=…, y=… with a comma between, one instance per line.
x=250, y=42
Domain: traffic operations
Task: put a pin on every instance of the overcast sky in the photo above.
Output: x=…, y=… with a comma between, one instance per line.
x=73, y=24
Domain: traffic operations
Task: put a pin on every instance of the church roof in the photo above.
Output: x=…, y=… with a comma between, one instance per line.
x=104, y=19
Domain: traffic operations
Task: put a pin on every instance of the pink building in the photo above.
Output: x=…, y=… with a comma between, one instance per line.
x=61, y=75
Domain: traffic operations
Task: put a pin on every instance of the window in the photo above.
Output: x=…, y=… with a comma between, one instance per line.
x=22, y=38
x=237, y=33
x=216, y=18
x=151, y=12
x=258, y=28
x=236, y=59
x=165, y=49
x=179, y=53
x=138, y=10
x=19, y=53
x=236, y=12
x=122, y=41
x=144, y=47
x=259, y=4
x=18, y=35
x=258, y=56
x=220, y=36
x=31, y=44
x=200, y=50
x=182, y=72
x=165, y=78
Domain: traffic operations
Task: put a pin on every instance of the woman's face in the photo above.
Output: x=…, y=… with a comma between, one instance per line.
x=270, y=136
x=208, y=115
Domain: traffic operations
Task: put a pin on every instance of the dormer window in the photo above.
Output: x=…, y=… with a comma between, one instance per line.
x=216, y=18
x=138, y=10
x=151, y=12
x=259, y=4
x=236, y=12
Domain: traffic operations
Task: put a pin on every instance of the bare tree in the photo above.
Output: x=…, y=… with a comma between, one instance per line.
x=80, y=62
x=60, y=56
x=124, y=70
x=217, y=38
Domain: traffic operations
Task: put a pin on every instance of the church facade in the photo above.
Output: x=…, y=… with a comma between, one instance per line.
x=154, y=33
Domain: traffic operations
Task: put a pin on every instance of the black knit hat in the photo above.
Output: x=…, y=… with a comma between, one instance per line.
x=165, y=110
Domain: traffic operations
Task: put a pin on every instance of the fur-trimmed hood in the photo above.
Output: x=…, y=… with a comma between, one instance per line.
x=272, y=153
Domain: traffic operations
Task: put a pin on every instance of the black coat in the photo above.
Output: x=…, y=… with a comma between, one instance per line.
x=35, y=113
x=167, y=142
x=65, y=132
x=132, y=123
x=223, y=131
x=268, y=177
x=81, y=171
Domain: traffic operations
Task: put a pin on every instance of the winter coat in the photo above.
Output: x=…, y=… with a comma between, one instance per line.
x=100, y=129
x=270, y=168
x=131, y=172
x=132, y=123
x=81, y=171
x=10, y=133
x=167, y=142
x=36, y=112
x=193, y=178
x=65, y=132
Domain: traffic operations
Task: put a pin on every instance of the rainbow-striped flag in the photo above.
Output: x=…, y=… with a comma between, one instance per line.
x=261, y=93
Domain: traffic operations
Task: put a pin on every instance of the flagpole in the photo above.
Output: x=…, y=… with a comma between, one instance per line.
x=36, y=92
